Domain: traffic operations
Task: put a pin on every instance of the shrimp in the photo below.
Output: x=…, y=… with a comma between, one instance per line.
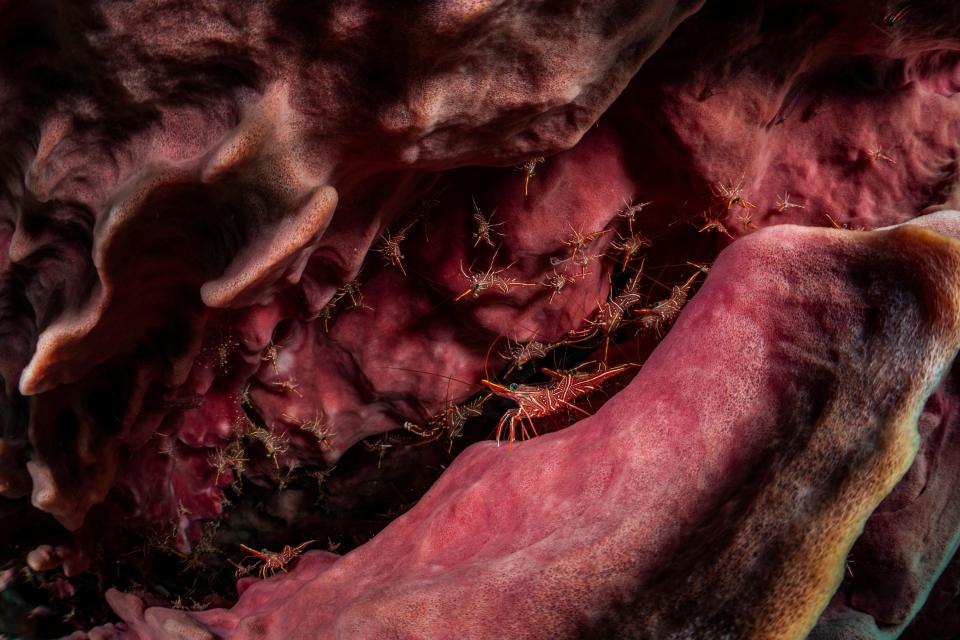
x=537, y=401
x=274, y=560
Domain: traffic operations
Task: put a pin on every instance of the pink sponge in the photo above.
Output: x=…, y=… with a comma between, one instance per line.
x=727, y=479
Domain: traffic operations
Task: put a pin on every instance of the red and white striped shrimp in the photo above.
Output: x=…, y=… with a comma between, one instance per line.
x=537, y=401
x=611, y=314
x=666, y=310
x=273, y=560
x=481, y=281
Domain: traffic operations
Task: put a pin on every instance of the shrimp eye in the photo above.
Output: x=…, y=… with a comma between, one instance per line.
x=513, y=386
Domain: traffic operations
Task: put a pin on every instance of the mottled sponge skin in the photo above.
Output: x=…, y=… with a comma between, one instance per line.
x=716, y=496
x=912, y=535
